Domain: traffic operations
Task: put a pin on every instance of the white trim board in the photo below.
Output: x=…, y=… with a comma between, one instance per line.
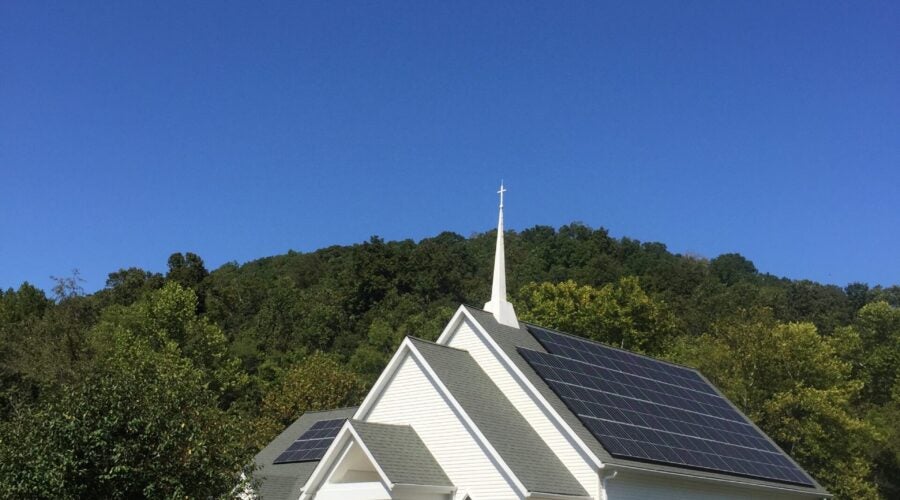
x=447, y=335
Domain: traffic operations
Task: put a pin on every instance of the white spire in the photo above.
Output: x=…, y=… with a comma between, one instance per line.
x=503, y=311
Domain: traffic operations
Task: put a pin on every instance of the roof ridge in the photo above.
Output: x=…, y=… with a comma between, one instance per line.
x=592, y=341
x=419, y=339
x=332, y=409
x=353, y=420
x=597, y=342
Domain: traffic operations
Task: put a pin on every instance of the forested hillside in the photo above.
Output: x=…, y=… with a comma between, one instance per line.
x=166, y=385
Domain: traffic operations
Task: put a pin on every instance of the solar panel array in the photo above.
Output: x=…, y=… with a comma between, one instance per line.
x=312, y=444
x=644, y=409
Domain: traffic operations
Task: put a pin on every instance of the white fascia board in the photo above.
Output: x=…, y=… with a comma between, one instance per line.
x=383, y=380
x=555, y=496
x=450, y=329
x=320, y=473
x=329, y=471
x=384, y=478
x=517, y=374
x=423, y=489
x=407, y=348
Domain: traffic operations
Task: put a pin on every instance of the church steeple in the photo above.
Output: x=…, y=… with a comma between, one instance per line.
x=503, y=311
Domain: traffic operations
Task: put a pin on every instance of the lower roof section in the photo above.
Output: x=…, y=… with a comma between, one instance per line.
x=400, y=454
x=285, y=481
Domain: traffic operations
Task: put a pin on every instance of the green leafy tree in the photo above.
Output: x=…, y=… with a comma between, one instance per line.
x=886, y=454
x=620, y=314
x=320, y=382
x=872, y=346
x=790, y=381
x=168, y=317
x=245, y=327
x=139, y=423
x=186, y=269
x=875, y=350
x=22, y=314
x=731, y=268
x=127, y=286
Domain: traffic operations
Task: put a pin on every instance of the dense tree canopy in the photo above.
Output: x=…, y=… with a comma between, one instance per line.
x=138, y=419
x=619, y=314
x=791, y=382
x=175, y=365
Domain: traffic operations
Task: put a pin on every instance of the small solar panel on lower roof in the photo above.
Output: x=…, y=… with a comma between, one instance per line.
x=312, y=444
x=645, y=409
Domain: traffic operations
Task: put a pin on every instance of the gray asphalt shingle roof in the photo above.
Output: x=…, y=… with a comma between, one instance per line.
x=520, y=447
x=509, y=338
x=285, y=481
x=401, y=454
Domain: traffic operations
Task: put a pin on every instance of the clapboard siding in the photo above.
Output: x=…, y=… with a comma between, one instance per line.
x=638, y=486
x=410, y=398
x=467, y=339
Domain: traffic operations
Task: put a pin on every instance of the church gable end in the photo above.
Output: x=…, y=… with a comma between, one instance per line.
x=412, y=397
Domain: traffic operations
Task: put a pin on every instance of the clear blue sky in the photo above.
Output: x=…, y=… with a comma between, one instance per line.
x=237, y=130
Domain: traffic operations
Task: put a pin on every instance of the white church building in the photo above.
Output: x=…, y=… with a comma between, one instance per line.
x=501, y=409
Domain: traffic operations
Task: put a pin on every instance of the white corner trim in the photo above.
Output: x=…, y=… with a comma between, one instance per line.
x=604, y=495
x=407, y=348
x=517, y=374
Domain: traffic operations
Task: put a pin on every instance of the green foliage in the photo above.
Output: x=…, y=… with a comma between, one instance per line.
x=876, y=355
x=790, y=381
x=167, y=318
x=731, y=268
x=186, y=269
x=886, y=454
x=319, y=383
x=257, y=344
x=127, y=286
x=871, y=344
x=620, y=314
x=138, y=423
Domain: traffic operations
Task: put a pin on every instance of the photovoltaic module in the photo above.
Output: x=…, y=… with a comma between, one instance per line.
x=649, y=410
x=312, y=444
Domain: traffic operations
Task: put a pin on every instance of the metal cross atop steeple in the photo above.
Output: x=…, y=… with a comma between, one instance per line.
x=503, y=311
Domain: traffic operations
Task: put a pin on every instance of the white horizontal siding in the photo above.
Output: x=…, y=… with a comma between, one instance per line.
x=466, y=338
x=353, y=491
x=410, y=398
x=641, y=486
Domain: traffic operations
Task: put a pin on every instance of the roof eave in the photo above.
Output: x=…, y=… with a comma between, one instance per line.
x=817, y=492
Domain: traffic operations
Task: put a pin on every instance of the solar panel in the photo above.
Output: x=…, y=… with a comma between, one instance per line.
x=312, y=444
x=644, y=409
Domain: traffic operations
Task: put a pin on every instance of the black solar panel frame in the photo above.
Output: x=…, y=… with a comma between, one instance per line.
x=673, y=458
x=313, y=443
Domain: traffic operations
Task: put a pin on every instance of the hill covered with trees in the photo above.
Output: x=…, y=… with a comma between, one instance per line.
x=166, y=385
